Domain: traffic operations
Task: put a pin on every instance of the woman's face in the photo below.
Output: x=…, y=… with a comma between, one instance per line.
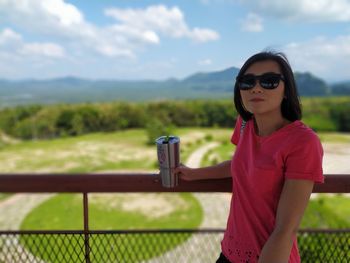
x=260, y=101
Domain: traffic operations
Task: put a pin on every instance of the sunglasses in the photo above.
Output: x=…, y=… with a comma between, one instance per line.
x=267, y=81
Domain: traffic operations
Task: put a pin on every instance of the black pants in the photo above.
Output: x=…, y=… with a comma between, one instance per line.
x=222, y=259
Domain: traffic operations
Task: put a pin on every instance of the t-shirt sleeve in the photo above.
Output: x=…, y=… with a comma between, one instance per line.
x=305, y=159
x=237, y=131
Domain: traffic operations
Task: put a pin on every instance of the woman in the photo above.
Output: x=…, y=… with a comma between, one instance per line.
x=276, y=163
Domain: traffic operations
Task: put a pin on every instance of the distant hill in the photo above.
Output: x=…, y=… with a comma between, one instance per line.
x=212, y=85
x=341, y=88
x=217, y=76
x=310, y=85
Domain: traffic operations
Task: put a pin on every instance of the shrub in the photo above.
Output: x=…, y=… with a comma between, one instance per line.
x=155, y=129
x=341, y=114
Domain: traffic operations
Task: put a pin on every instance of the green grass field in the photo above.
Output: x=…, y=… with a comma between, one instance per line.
x=124, y=150
x=327, y=212
x=128, y=150
x=116, y=212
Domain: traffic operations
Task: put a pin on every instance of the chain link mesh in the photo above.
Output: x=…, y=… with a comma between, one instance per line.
x=324, y=246
x=154, y=246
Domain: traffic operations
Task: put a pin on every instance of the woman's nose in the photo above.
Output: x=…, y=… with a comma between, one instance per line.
x=257, y=89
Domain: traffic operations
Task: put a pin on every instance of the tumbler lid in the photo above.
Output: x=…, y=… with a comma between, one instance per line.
x=168, y=140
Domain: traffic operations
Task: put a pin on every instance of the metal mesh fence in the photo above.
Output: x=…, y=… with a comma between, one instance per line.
x=325, y=246
x=153, y=246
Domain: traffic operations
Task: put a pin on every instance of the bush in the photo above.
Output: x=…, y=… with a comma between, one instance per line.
x=155, y=129
x=42, y=122
x=341, y=114
x=208, y=137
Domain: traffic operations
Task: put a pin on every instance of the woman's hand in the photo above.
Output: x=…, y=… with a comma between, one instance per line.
x=218, y=171
x=185, y=173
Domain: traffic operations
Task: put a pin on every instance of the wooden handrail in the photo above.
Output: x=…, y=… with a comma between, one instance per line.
x=128, y=183
x=134, y=182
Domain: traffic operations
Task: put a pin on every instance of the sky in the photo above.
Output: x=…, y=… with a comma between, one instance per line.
x=158, y=40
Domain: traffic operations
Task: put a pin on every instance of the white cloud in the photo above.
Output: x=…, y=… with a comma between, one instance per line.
x=159, y=19
x=12, y=43
x=203, y=35
x=43, y=49
x=304, y=10
x=324, y=57
x=205, y=62
x=132, y=30
x=42, y=16
x=66, y=14
x=252, y=23
x=8, y=36
x=51, y=18
x=109, y=50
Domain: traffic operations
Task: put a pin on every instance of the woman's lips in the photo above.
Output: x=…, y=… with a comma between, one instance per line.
x=257, y=99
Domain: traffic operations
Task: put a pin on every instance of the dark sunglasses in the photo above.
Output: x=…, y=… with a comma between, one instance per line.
x=267, y=81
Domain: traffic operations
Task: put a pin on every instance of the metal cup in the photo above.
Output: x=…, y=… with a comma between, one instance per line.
x=168, y=150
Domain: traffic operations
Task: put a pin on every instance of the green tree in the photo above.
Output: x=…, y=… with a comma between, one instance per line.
x=64, y=123
x=341, y=114
x=155, y=129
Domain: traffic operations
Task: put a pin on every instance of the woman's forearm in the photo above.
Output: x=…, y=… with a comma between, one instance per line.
x=277, y=248
x=220, y=170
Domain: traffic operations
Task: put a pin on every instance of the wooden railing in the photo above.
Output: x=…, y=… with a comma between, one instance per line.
x=129, y=183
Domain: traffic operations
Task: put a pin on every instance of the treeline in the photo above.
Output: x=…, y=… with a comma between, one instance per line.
x=45, y=122
x=327, y=114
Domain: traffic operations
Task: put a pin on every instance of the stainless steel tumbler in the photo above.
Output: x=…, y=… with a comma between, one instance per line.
x=168, y=150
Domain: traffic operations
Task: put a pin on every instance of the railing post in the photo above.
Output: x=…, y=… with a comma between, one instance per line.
x=86, y=227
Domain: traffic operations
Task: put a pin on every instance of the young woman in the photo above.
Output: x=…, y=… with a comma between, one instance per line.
x=276, y=163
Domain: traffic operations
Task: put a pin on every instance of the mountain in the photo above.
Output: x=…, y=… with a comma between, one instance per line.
x=204, y=85
x=217, y=76
x=341, y=88
x=310, y=85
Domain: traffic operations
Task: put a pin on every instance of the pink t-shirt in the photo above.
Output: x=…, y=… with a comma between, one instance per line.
x=259, y=167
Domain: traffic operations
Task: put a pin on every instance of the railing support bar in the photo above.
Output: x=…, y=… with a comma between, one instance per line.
x=86, y=227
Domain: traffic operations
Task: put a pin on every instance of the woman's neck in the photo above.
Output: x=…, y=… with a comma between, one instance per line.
x=266, y=125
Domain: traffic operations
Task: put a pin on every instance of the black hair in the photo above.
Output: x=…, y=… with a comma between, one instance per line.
x=290, y=107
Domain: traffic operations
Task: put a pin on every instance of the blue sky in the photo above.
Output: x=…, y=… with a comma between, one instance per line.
x=134, y=39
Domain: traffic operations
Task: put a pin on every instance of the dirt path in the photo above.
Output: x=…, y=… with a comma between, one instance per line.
x=15, y=208
x=215, y=207
x=12, y=211
x=336, y=158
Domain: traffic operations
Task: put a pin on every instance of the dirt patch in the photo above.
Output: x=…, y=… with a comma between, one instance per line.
x=149, y=205
x=7, y=139
x=192, y=137
x=112, y=151
x=337, y=148
x=336, y=158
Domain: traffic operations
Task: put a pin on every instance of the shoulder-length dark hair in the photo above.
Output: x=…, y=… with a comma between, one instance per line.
x=290, y=107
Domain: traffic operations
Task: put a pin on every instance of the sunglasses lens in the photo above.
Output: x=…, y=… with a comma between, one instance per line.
x=270, y=81
x=266, y=81
x=246, y=82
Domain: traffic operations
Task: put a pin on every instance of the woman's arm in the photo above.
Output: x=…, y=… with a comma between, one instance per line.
x=292, y=204
x=221, y=170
